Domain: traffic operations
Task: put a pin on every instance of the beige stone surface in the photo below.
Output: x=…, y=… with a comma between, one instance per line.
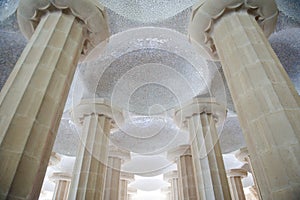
x=207, y=12
x=243, y=156
x=172, y=178
x=111, y=191
x=186, y=174
x=266, y=101
x=90, y=167
x=62, y=185
x=126, y=193
x=32, y=101
x=235, y=183
x=131, y=193
x=96, y=117
x=116, y=158
x=201, y=117
x=91, y=14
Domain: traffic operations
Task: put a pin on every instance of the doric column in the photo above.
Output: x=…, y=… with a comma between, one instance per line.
x=201, y=116
x=125, y=179
x=235, y=183
x=167, y=193
x=88, y=180
x=33, y=98
x=116, y=157
x=172, y=178
x=131, y=192
x=186, y=175
x=62, y=185
x=265, y=99
x=243, y=156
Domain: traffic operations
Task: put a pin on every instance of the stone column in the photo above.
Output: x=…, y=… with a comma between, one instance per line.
x=183, y=156
x=167, y=192
x=62, y=185
x=125, y=179
x=172, y=178
x=88, y=180
x=131, y=193
x=243, y=156
x=265, y=99
x=33, y=98
x=116, y=157
x=235, y=183
x=202, y=116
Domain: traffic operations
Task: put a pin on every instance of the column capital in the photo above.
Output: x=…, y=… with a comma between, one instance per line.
x=89, y=12
x=60, y=176
x=207, y=12
x=237, y=173
x=242, y=155
x=54, y=159
x=181, y=150
x=170, y=175
x=127, y=176
x=199, y=106
x=115, y=152
x=131, y=190
x=97, y=106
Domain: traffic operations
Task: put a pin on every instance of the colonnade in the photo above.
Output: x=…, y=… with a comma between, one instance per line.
x=33, y=99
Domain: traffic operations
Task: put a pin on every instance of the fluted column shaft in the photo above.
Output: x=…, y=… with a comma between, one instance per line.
x=61, y=190
x=62, y=186
x=186, y=177
x=243, y=156
x=172, y=178
x=90, y=166
x=174, y=189
x=125, y=179
x=131, y=193
x=235, y=183
x=112, y=181
x=211, y=175
x=123, y=190
x=32, y=102
x=266, y=102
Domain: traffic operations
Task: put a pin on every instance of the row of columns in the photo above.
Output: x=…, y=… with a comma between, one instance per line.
x=116, y=186
x=33, y=98
x=266, y=101
x=63, y=181
x=183, y=181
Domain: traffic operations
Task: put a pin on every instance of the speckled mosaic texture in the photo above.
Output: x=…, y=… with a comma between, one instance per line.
x=7, y=7
x=285, y=42
x=147, y=11
x=144, y=67
x=290, y=7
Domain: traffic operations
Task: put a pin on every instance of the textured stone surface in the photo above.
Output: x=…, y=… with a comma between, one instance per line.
x=32, y=103
x=266, y=102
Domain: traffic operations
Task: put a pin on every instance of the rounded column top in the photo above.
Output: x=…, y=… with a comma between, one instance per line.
x=131, y=190
x=126, y=176
x=115, y=152
x=242, y=155
x=182, y=150
x=237, y=173
x=170, y=175
x=98, y=106
x=207, y=12
x=199, y=106
x=61, y=176
x=54, y=159
x=90, y=12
